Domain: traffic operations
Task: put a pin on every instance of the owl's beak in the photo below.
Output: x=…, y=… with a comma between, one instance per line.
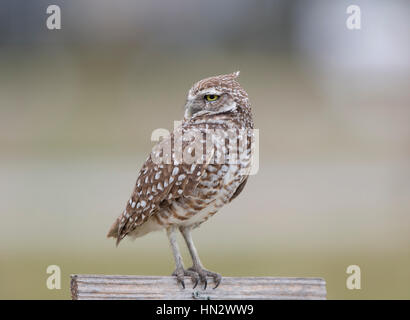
x=188, y=111
x=191, y=109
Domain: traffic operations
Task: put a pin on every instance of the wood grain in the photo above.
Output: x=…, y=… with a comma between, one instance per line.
x=85, y=287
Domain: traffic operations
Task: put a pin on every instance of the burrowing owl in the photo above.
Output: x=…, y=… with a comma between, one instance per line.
x=190, y=174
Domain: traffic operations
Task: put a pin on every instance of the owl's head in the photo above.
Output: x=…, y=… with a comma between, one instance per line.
x=215, y=95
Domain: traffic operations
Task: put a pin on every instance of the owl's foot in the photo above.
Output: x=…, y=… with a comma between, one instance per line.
x=203, y=273
x=181, y=273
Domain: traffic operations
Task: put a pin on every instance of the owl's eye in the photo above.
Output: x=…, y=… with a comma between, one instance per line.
x=211, y=97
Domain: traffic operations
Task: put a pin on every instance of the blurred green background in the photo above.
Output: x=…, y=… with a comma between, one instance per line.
x=78, y=106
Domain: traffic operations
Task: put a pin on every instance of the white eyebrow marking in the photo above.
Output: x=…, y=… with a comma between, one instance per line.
x=210, y=91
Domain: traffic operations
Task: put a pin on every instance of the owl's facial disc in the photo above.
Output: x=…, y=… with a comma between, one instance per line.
x=209, y=101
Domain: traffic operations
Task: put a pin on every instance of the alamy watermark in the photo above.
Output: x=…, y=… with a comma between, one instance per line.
x=354, y=281
x=54, y=280
x=354, y=20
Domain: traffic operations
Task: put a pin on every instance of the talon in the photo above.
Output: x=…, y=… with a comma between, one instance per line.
x=202, y=274
x=195, y=277
x=195, y=284
x=217, y=281
x=179, y=274
x=180, y=279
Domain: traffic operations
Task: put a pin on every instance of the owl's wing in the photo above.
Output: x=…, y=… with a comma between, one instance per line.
x=239, y=189
x=159, y=184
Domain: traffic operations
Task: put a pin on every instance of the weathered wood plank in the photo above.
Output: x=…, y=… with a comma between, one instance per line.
x=154, y=287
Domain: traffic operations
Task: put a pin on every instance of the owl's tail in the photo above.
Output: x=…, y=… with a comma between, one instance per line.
x=113, y=232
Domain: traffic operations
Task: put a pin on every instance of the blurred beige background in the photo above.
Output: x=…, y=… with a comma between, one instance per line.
x=78, y=106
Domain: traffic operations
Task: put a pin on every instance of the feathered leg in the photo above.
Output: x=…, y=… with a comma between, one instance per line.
x=197, y=265
x=179, y=272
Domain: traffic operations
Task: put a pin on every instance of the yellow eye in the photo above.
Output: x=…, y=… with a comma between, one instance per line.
x=211, y=97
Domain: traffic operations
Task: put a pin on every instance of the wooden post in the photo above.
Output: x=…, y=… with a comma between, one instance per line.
x=84, y=287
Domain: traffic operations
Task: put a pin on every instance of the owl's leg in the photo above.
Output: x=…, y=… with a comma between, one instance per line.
x=197, y=265
x=179, y=272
